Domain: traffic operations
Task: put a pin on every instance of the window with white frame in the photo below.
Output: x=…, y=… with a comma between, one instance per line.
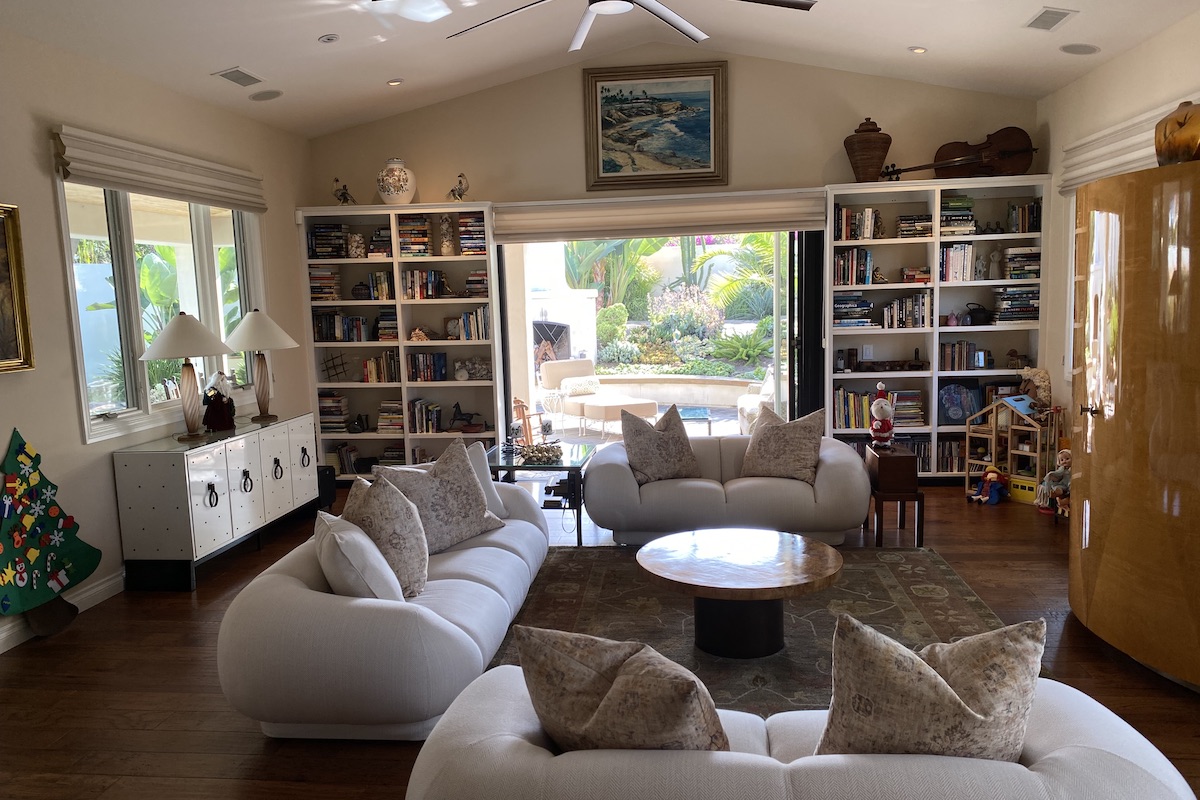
x=136, y=259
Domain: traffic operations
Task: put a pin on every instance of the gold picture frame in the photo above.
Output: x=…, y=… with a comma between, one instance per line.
x=629, y=113
x=16, y=345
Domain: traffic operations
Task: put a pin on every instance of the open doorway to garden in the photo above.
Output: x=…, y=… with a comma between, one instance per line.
x=698, y=321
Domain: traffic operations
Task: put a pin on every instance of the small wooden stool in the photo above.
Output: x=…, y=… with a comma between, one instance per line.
x=893, y=473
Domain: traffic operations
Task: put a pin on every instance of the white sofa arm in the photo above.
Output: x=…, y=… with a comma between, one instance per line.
x=521, y=505
x=288, y=651
x=608, y=476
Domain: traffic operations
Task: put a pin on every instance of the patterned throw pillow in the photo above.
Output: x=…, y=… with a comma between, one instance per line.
x=579, y=385
x=780, y=449
x=659, y=451
x=448, y=497
x=392, y=523
x=351, y=562
x=970, y=698
x=597, y=694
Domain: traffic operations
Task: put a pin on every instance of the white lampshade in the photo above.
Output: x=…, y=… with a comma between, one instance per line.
x=185, y=336
x=257, y=331
x=610, y=6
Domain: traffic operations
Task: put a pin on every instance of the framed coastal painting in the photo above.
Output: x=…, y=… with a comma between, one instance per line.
x=16, y=348
x=659, y=125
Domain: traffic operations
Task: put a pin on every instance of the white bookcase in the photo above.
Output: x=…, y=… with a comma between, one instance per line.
x=937, y=349
x=420, y=261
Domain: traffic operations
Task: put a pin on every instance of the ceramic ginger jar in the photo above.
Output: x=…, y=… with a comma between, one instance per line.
x=397, y=183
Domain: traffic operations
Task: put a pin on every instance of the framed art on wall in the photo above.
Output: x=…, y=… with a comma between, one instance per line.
x=658, y=125
x=16, y=347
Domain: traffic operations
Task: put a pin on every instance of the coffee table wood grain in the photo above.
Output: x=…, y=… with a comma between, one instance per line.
x=738, y=579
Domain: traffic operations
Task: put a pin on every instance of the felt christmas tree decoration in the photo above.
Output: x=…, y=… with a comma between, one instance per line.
x=40, y=550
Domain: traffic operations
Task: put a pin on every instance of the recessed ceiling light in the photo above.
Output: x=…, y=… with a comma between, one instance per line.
x=328, y=38
x=1079, y=49
x=269, y=94
x=916, y=49
x=395, y=81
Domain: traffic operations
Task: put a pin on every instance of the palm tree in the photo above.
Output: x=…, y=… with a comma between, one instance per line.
x=749, y=291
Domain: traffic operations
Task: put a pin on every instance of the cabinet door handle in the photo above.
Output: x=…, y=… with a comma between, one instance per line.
x=212, y=498
x=247, y=481
x=278, y=470
x=305, y=458
x=1088, y=410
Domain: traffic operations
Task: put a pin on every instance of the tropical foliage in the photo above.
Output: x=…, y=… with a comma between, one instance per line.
x=748, y=291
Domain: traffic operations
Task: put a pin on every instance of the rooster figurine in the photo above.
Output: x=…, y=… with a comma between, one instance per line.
x=458, y=192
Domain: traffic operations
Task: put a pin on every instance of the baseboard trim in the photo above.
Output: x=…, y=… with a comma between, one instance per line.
x=14, y=630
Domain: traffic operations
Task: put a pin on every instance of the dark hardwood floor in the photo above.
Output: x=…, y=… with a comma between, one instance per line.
x=126, y=703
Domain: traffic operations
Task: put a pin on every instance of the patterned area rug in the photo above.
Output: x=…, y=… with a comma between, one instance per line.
x=911, y=595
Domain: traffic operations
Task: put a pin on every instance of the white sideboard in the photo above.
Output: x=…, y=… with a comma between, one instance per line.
x=182, y=503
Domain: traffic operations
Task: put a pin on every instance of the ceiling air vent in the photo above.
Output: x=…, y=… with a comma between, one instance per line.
x=238, y=76
x=1049, y=19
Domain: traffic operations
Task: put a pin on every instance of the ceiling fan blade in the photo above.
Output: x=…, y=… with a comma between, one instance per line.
x=585, y=25
x=525, y=7
x=798, y=5
x=416, y=10
x=671, y=18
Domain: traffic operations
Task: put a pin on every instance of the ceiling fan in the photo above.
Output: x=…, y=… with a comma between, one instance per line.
x=607, y=7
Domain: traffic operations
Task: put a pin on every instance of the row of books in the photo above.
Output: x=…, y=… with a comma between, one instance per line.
x=914, y=311
x=1017, y=303
x=426, y=366
x=956, y=262
x=853, y=409
x=962, y=355
x=422, y=284
x=951, y=455
x=852, y=267
x=1025, y=217
x=383, y=368
x=333, y=326
x=424, y=416
x=476, y=324
x=849, y=224
x=382, y=285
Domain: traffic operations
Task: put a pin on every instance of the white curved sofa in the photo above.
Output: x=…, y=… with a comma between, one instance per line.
x=307, y=663
x=827, y=510
x=491, y=744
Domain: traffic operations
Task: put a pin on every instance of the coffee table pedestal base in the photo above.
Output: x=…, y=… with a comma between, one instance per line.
x=739, y=628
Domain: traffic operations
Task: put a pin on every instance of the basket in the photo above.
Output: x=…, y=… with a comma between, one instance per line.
x=867, y=149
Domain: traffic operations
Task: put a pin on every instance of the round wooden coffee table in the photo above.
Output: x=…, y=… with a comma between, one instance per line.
x=738, y=579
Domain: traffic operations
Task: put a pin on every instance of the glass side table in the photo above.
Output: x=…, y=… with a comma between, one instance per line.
x=505, y=464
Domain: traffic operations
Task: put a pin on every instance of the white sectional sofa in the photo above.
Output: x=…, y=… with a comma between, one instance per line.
x=307, y=663
x=491, y=744
x=835, y=504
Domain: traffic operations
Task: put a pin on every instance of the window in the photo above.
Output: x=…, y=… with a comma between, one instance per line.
x=137, y=260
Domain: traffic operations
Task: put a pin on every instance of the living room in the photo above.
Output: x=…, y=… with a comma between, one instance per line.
x=787, y=125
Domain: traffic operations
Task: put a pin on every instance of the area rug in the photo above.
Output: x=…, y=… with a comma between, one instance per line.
x=911, y=595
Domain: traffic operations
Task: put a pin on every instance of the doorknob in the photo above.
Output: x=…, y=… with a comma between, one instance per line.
x=1088, y=410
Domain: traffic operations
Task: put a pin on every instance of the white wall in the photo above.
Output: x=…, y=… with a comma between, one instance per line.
x=1161, y=71
x=43, y=88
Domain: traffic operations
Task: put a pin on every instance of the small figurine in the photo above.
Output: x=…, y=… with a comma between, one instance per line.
x=877, y=276
x=458, y=192
x=218, y=412
x=1056, y=486
x=991, y=489
x=343, y=195
x=881, y=423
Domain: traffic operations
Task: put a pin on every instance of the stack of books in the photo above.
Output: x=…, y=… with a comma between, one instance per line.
x=389, y=330
x=333, y=411
x=1017, y=304
x=472, y=238
x=915, y=274
x=412, y=235
x=913, y=226
x=323, y=284
x=1022, y=263
x=958, y=218
x=907, y=407
x=391, y=420
x=328, y=240
x=392, y=456
x=477, y=283
x=380, y=245
x=852, y=310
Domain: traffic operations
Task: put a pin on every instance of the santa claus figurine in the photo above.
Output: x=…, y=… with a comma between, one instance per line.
x=881, y=419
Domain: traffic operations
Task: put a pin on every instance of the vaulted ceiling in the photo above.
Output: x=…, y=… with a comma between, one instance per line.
x=982, y=45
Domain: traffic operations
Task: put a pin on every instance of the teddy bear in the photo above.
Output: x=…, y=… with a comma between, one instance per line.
x=1056, y=486
x=992, y=487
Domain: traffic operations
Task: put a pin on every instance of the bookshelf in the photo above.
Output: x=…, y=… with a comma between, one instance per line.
x=405, y=335
x=932, y=287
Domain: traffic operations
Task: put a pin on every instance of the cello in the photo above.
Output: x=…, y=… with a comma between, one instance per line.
x=1008, y=151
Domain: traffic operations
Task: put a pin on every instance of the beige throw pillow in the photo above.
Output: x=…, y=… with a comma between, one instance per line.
x=351, y=562
x=392, y=523
x=597, y=694
x=970, y=698
x=660, y=451
x=448, y=497
x=780, y=449
x=579, y=385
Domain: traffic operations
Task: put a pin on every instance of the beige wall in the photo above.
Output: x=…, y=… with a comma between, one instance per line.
x=524, y=140
x=1162, y=71
x=43, y=88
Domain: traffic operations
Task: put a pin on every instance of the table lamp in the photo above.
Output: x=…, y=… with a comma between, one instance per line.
x=183, y=337
x=258, y=332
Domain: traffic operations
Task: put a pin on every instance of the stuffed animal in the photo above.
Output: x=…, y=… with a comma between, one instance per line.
x=218, y=411
x=1035, y=382
x=992, y=488
x=881, y=422
x=1056, y=486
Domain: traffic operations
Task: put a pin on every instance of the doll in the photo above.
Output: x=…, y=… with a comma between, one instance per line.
x=218, y=405
x=991, y=488
x=881, y=422
x=1056, y=485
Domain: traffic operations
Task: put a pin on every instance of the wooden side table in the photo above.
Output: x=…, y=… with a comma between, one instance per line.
x=893, y=473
